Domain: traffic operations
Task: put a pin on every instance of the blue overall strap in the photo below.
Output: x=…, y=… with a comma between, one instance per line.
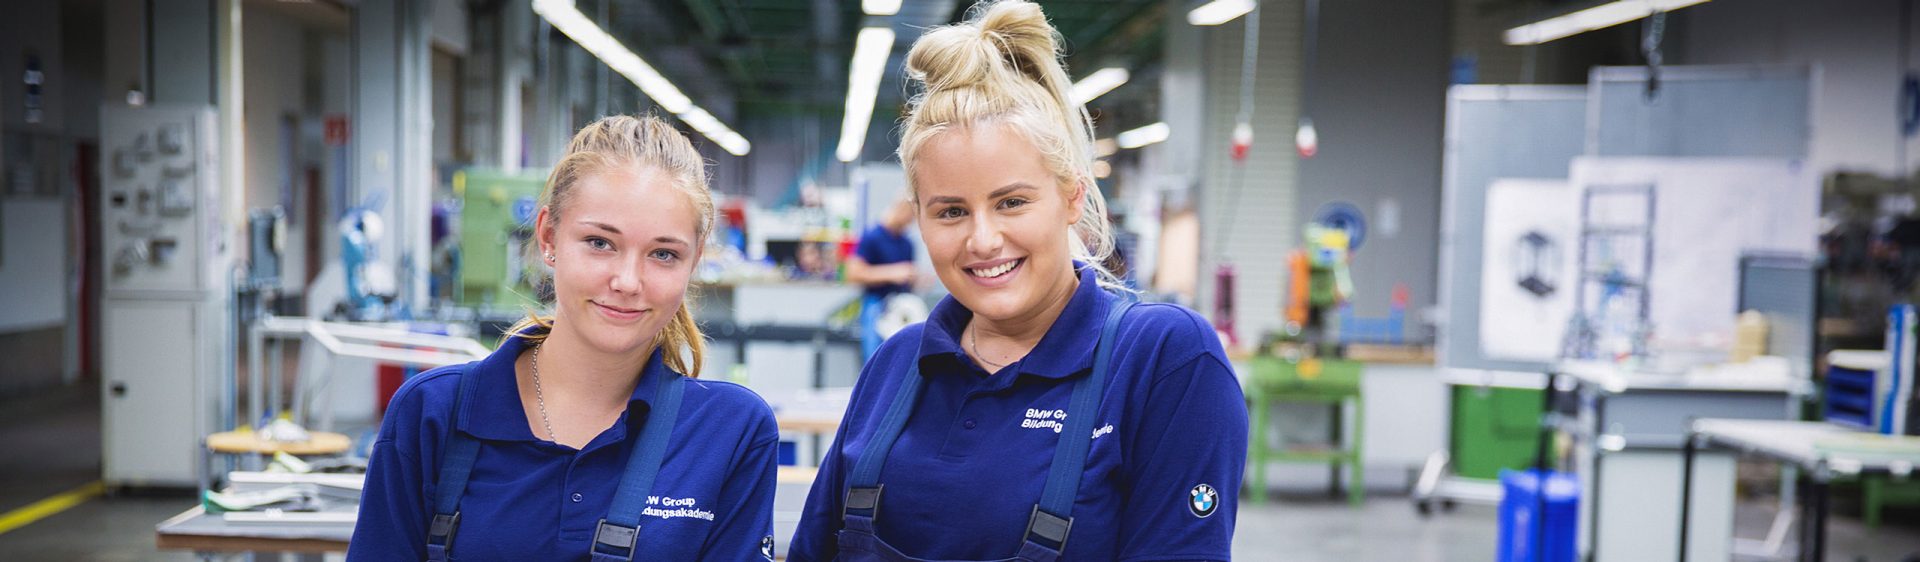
x=615, y=537
x=1052, y=518
x=456, y=462
x=863, y=486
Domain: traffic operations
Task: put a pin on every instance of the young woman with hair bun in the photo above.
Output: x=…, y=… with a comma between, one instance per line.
x=1040, y=413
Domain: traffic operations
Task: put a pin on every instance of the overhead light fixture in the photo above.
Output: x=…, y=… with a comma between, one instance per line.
x=870, y=50
x=1220, y=11
x=1105, y=147
x=880, y=7
x=1598, y=17
x=1101, y=169
x=1098, y=83
x=712, y=128
x=1143, y=136
x=564, y=16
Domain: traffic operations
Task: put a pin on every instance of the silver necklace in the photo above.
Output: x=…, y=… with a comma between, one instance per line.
x=540, y=398
x=975, y=336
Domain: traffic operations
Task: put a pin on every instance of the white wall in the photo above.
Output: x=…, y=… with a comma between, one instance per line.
x=1378, y=107
x=1254, y=200
x=33, y=227
x=1852, y=44
x=33, y=249
x=275, y=65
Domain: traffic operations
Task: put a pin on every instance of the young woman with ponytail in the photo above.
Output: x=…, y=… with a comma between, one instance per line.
x=586, y=435
x=1038, y=414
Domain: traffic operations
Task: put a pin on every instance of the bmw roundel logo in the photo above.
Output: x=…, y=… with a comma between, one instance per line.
x=766, y=547
x=1203, y=500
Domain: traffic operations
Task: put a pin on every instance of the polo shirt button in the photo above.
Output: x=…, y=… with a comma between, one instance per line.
x=576, y=497
x=968, y=424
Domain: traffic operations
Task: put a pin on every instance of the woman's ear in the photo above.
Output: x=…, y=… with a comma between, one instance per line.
x=543, y=233
x=1077, y=203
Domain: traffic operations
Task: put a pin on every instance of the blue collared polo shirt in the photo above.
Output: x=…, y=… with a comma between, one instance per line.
x=1170, y=441
x=879, y=246
x=532, y=499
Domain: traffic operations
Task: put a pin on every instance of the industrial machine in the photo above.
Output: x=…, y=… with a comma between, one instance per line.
x=370, y=284
x=164, y=313
x=496, y=221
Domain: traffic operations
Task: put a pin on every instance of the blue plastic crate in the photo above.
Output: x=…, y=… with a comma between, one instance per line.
x=1521, y=537
x=1850, y=396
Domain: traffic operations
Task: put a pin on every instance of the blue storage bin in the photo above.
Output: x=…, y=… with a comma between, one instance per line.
x=1850, y=396
x=1521, y=539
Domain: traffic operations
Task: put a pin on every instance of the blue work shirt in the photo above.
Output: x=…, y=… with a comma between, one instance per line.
x=879, y=246
x=533, y=499
x=968, y=467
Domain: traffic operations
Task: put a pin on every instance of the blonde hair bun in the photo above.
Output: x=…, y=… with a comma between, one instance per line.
x=1003, y=37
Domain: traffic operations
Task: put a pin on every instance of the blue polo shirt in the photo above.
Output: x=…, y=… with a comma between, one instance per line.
x=879, y=246
x=969, y=466
x=532, y=499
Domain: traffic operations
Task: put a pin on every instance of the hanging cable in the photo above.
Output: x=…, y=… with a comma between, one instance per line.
x=1652, y=32
x=1242, y=129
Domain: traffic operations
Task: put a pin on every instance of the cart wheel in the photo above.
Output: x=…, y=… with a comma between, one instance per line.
x=1447, y=505
x=1423, y=507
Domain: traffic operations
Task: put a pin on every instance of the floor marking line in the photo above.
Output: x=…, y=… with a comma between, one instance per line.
x=48, y=507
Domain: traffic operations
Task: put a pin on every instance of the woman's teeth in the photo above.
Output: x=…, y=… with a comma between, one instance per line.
x=995, y=271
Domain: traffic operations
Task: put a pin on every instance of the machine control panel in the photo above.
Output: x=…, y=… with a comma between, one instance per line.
x=158, y=210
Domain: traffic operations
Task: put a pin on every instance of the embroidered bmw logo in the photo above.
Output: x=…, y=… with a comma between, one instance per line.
x=1202, y=500
x=766, y=547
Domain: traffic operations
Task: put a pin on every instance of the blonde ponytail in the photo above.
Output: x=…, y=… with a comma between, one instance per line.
x=1002, y=67
x=682, y=333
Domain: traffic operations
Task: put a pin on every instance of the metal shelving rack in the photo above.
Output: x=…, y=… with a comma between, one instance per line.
x=1582, y=333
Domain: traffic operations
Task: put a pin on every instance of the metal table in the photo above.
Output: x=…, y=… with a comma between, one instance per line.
x=1823, y=450
x=197, y=530
x=1629, y=425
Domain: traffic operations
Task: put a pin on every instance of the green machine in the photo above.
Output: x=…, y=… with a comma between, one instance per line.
x=1494, y=428
x=496, y=222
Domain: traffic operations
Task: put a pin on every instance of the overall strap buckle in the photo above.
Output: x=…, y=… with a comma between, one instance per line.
x=1048, y=526
x=615, y=540
x=864, y=500
x=441, y=531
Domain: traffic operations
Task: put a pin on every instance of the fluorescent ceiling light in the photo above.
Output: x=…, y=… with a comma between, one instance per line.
x=1143, y=136
x=1105, y=147
x=1220, y=11
x=870, y=50
x=564, y=16
x=1098, y=83
x=1598, y=17
x=880, y=7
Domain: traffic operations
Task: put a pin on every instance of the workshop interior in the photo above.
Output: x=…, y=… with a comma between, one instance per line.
x=1501, y=280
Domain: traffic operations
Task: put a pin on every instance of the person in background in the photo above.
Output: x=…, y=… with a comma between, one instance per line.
x=882, y=263
x=584, y=436
x=1039, y=413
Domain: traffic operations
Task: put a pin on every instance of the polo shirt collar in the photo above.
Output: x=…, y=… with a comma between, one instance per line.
x=494, y=411
x=1065, y=350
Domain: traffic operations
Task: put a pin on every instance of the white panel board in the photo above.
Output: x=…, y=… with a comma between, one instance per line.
x=1526, y=274
x=1709, y=211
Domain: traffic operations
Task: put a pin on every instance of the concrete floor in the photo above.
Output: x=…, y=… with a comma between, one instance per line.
x=52, y=440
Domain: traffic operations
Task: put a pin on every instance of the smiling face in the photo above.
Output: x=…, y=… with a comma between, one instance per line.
x=995, y=221
x=623, y=249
